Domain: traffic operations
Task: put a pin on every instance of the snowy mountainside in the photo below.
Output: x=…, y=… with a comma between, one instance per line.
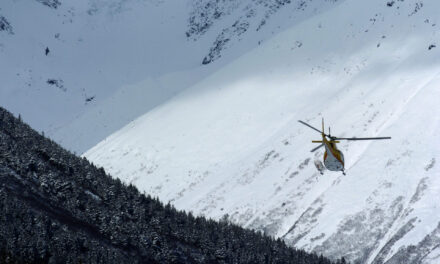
x=109, y=62
x=96, y=50
x=230, y=146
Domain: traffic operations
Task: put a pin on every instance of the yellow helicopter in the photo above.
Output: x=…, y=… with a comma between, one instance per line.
x=333, y=158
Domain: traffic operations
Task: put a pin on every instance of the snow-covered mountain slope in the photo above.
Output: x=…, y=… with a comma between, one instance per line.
x=231, y=147
x=109, y=62
x=96, y=49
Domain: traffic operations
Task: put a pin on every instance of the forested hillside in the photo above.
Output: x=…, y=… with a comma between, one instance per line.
x=58, y=208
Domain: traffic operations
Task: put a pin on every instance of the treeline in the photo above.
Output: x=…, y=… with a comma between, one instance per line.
x=56, y=207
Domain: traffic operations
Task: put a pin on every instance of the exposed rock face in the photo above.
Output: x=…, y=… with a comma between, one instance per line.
x=50, y=3
x=241, y=16
x=5, y=26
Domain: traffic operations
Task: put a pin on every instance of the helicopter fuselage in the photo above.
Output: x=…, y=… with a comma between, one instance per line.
x=333, y=158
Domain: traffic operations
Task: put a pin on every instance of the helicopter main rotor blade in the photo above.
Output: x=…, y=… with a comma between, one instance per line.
x=313, y=150
x=370, y=138
x=304, y=123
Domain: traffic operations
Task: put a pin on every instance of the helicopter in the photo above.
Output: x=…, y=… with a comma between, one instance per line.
x=333, y=158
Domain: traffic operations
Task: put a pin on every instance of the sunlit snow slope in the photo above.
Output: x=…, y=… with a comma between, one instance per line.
x=231, y=147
